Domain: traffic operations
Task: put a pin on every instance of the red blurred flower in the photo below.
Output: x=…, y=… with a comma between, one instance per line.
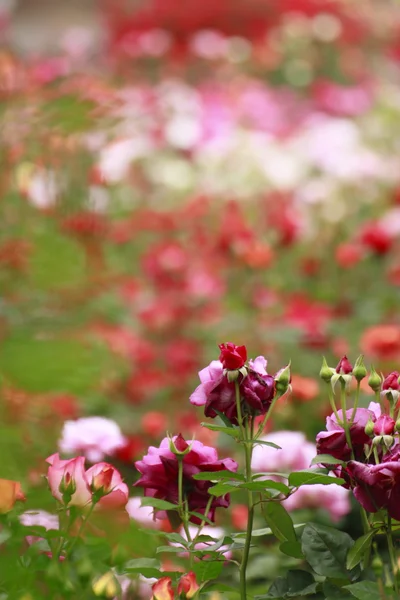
x=348, y=255
x=381, y=341
x=376, y=238
x=154, y=423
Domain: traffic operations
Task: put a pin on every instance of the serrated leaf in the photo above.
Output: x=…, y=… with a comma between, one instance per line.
x=364, y=590
x=159, y=504
x=325, y=549
x=357, y=552
x=279, y=522
x=299, y=478
x=207, y=570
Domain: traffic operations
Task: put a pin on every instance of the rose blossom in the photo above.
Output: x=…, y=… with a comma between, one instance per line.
x=40, y=518
x=10, y=493
x=94, y=437
x=378, y=486
x=159, y=475
x=333, y=441
x=384, y=425
x=295, y=453
x=215, y=392
x=232, y=357
x=333, y=498
x=105, y=478
x=71, y=475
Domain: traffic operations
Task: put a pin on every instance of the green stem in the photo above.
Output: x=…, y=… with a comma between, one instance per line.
x=345, y=421
x=353, y=414
x=332, y=403
x=392, y=553
x=267, y=416
x=81, y=528
x=207, y=510
x=248, y=447
x=238, y=406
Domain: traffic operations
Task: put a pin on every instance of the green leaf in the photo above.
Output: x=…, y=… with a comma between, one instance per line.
x=232, y=431
x=325, y=549
x=224, y=419
x=218, y=476
x=148, y=567
x=208, y=569
x=298, y=478
x=170, y=549
x=202, y=517
x=364, y=590
x=279, y=521
x=267, y=484
x=270, y=444
x=297, y=584
x=176, y=539
x=361, y=546
x=222, y=488
x=326, y=459
x=334, y=592
x=291, y=549
x=159, y=504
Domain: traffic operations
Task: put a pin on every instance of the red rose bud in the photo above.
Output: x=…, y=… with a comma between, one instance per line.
x=344, y=366
x=162, y=589
x=391, y=382
x=179, y=445
x=188, y=586
x=232, y=357
x=384, y=425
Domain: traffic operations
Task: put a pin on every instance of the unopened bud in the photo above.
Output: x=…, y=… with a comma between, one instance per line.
x=397, y=425
x=188, y=586
x=374, y=380
x=179, y=445
x=326, y=372
x=283, y=379
x=344, y=366
x=67, y=485
x=360, y=370
x=369, y=428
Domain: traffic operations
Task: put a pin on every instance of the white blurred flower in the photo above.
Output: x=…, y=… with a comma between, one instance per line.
x=94, y=437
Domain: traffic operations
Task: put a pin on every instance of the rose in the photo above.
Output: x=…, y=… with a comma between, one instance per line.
x=384, y=425
x=333, y=441
x=10, y=493
x=95, y=437
x=159, y=475
x=391, y=382
x=258, y=388
x=344, y=366
x=106, y=481
x=68, y=480
x=377, y=486
x=232, y=357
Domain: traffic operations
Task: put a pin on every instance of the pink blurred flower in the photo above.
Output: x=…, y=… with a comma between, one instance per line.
x=333, y=498
x=296, y=453
x=40, y=518
x=95, y=437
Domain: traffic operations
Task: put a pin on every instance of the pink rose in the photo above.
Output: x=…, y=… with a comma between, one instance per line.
x=104, y=478
x=69, y=477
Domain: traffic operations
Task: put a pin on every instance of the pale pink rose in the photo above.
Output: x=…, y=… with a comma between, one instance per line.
x=94, y=437
x=69, y=473
x=142, y=514
x=333, y=498
x=40, y=518
x=295, y=453
x=106, y=477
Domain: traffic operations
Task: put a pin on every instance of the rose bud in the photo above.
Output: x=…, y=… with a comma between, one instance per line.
x=162, y=589
x=232, y=357
x=384, y=425
x=68, y=481
x=326, y=372
x=283, y=379
x=374, y=380
x=188, y=586
x=109, y=491
x=360, y=370
x=344, y=366
x=391, y=382
x=10, y=493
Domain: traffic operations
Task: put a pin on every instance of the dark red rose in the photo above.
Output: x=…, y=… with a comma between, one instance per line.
x=344, y=366
x=159, y=475
x=391, y=382
x=258, y=391
x=378, y=486
x=232, y=357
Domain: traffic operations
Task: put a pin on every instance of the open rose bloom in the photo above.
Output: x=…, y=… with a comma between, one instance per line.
x=159, y=475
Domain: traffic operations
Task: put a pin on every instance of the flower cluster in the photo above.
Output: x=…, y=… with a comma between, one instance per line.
x=217, y=391
x=365, y=440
